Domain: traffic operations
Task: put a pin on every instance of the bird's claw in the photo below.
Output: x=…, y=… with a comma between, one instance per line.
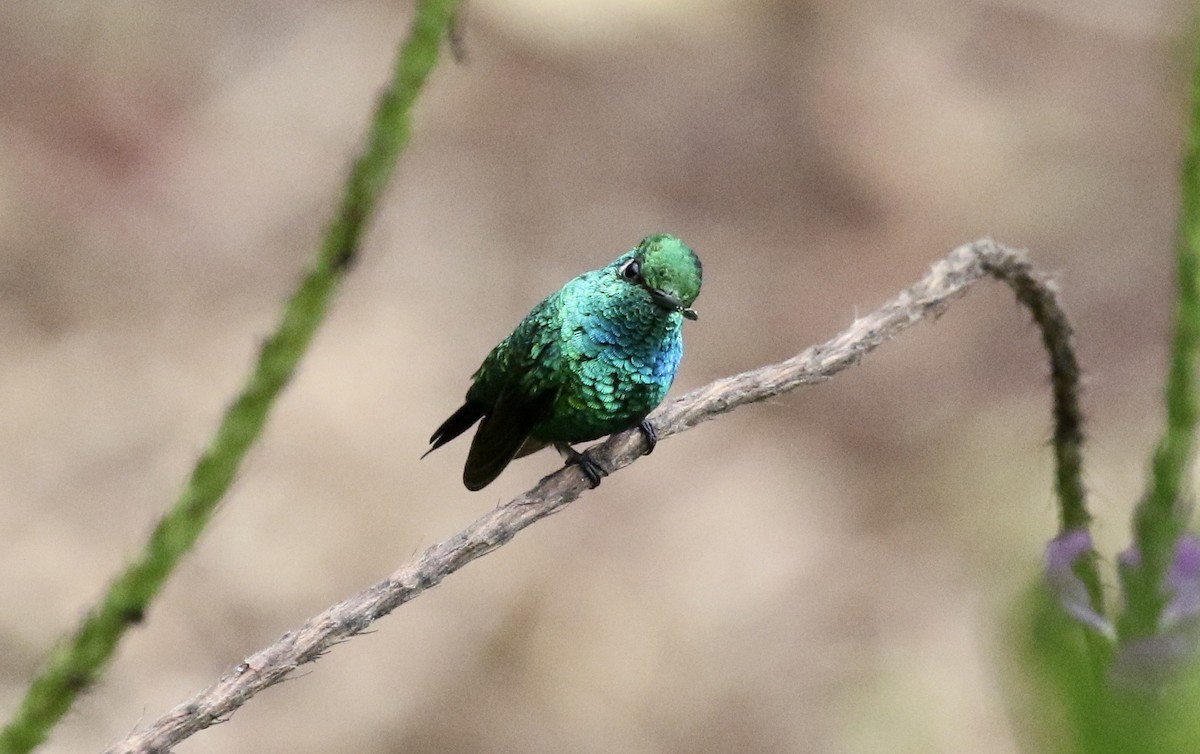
x=592, y=470
x=651, y=436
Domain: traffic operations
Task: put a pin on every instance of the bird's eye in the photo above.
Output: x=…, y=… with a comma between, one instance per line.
x=632, y=270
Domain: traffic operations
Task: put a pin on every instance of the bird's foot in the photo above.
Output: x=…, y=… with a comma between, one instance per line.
x=651, y=436
x=592, y=470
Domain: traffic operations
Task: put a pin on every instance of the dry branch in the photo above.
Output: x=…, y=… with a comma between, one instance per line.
x=945, y=281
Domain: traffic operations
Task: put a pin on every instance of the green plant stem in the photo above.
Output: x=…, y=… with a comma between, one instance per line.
x=82, y=656
x=1162, y=515
x=1037, y=293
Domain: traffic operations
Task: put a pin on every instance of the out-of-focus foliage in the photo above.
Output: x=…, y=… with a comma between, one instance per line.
x=1143, y=695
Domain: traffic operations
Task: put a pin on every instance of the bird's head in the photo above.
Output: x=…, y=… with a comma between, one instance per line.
x=667, y=269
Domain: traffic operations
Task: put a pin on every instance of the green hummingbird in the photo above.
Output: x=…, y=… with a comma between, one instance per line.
x=592, y=359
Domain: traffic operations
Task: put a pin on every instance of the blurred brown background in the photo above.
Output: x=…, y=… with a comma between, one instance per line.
x=827, y=573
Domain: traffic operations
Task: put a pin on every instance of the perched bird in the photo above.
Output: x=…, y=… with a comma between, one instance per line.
x=592, y=359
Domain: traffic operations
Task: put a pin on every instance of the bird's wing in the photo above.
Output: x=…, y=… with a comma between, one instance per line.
x=502, y=432
x=513, y=391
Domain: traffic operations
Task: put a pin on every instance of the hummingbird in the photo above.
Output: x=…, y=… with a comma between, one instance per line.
x=592, y=359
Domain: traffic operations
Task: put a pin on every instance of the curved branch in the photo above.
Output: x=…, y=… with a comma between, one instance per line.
x=945, y=281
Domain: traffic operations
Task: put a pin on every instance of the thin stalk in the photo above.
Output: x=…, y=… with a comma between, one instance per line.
x=1163, y=513
x=81, y=657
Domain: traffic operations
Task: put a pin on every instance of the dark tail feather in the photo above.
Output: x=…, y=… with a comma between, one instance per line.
x=460, y=421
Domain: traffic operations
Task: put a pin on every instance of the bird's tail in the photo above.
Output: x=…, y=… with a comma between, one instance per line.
x=460, y=421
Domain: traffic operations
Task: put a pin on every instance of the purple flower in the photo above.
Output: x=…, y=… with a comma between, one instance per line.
x=1142, y=662
x=1184, y=583
x=1061, y=555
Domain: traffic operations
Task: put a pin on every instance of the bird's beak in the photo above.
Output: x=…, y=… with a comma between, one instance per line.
x=666, y=301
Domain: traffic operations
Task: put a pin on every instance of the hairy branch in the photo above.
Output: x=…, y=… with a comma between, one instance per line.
x=946, y=280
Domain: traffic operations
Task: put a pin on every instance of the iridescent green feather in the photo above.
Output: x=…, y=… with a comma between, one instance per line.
x=593, y=358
